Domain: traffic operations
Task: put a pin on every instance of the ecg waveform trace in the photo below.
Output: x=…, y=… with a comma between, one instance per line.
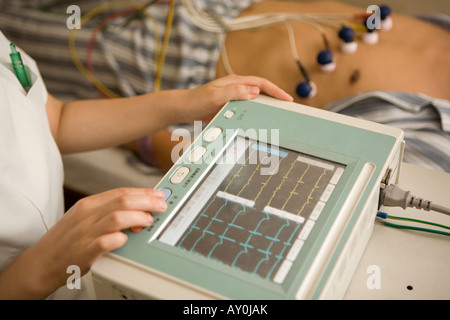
x=252, y=220
x=241, y=236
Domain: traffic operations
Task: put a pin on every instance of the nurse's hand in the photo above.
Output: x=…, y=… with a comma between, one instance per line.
x=92, y=227
x=204, y=101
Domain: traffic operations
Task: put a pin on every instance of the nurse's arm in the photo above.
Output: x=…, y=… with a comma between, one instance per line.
x=92, y=124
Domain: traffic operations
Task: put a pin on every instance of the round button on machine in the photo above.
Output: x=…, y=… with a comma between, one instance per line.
x=167, y=193
x=228, y=114
x=179, y=175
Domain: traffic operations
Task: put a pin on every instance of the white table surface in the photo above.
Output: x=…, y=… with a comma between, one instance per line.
x=405, y=258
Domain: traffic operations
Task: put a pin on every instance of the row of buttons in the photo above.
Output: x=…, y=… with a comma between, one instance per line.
x=197, y=153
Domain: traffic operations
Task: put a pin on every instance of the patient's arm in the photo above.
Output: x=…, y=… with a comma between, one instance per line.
x=412, y=56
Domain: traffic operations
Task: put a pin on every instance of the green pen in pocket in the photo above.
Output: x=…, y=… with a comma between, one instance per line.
x=19, y=67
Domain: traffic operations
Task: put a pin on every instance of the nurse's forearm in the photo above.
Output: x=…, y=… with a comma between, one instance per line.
x=27, y=278
x=93, y=124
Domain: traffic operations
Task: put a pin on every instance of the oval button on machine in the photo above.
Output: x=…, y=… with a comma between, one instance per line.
x=179, y=175
x=212, y=134
x=196, y=154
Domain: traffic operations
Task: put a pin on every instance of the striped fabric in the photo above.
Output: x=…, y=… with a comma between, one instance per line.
x=424, y=120
x=124, y=58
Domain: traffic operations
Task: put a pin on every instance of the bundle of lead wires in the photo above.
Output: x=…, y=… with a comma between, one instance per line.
x=212, y=23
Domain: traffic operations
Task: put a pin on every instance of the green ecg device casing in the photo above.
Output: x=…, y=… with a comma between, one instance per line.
x=273, y=200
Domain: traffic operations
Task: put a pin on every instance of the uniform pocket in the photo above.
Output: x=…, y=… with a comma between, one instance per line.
x=37, y=93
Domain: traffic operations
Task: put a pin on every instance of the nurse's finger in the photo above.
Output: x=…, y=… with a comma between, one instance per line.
x=141, y=202
x=126, y=199
x=266, y=86
x=104, y=244
x=121, y=220
x=118, y=192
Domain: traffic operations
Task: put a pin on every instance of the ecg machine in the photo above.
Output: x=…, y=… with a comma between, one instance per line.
x=273, y=200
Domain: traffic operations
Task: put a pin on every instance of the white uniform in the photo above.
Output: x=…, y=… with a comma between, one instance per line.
x=31, y=171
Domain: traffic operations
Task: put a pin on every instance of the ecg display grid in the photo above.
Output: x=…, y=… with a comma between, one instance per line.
x=241, y=236
x=259, y=222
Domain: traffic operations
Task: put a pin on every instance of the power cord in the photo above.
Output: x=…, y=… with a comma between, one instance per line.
x=394, y=196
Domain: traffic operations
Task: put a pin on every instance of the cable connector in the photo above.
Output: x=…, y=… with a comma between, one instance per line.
x=394, y=196
x=382, y=215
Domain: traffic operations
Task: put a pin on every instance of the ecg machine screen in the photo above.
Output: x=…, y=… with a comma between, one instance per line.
x=255, y=208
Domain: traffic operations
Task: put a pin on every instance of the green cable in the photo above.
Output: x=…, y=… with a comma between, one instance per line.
x=418, y=221
x=416, y=228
